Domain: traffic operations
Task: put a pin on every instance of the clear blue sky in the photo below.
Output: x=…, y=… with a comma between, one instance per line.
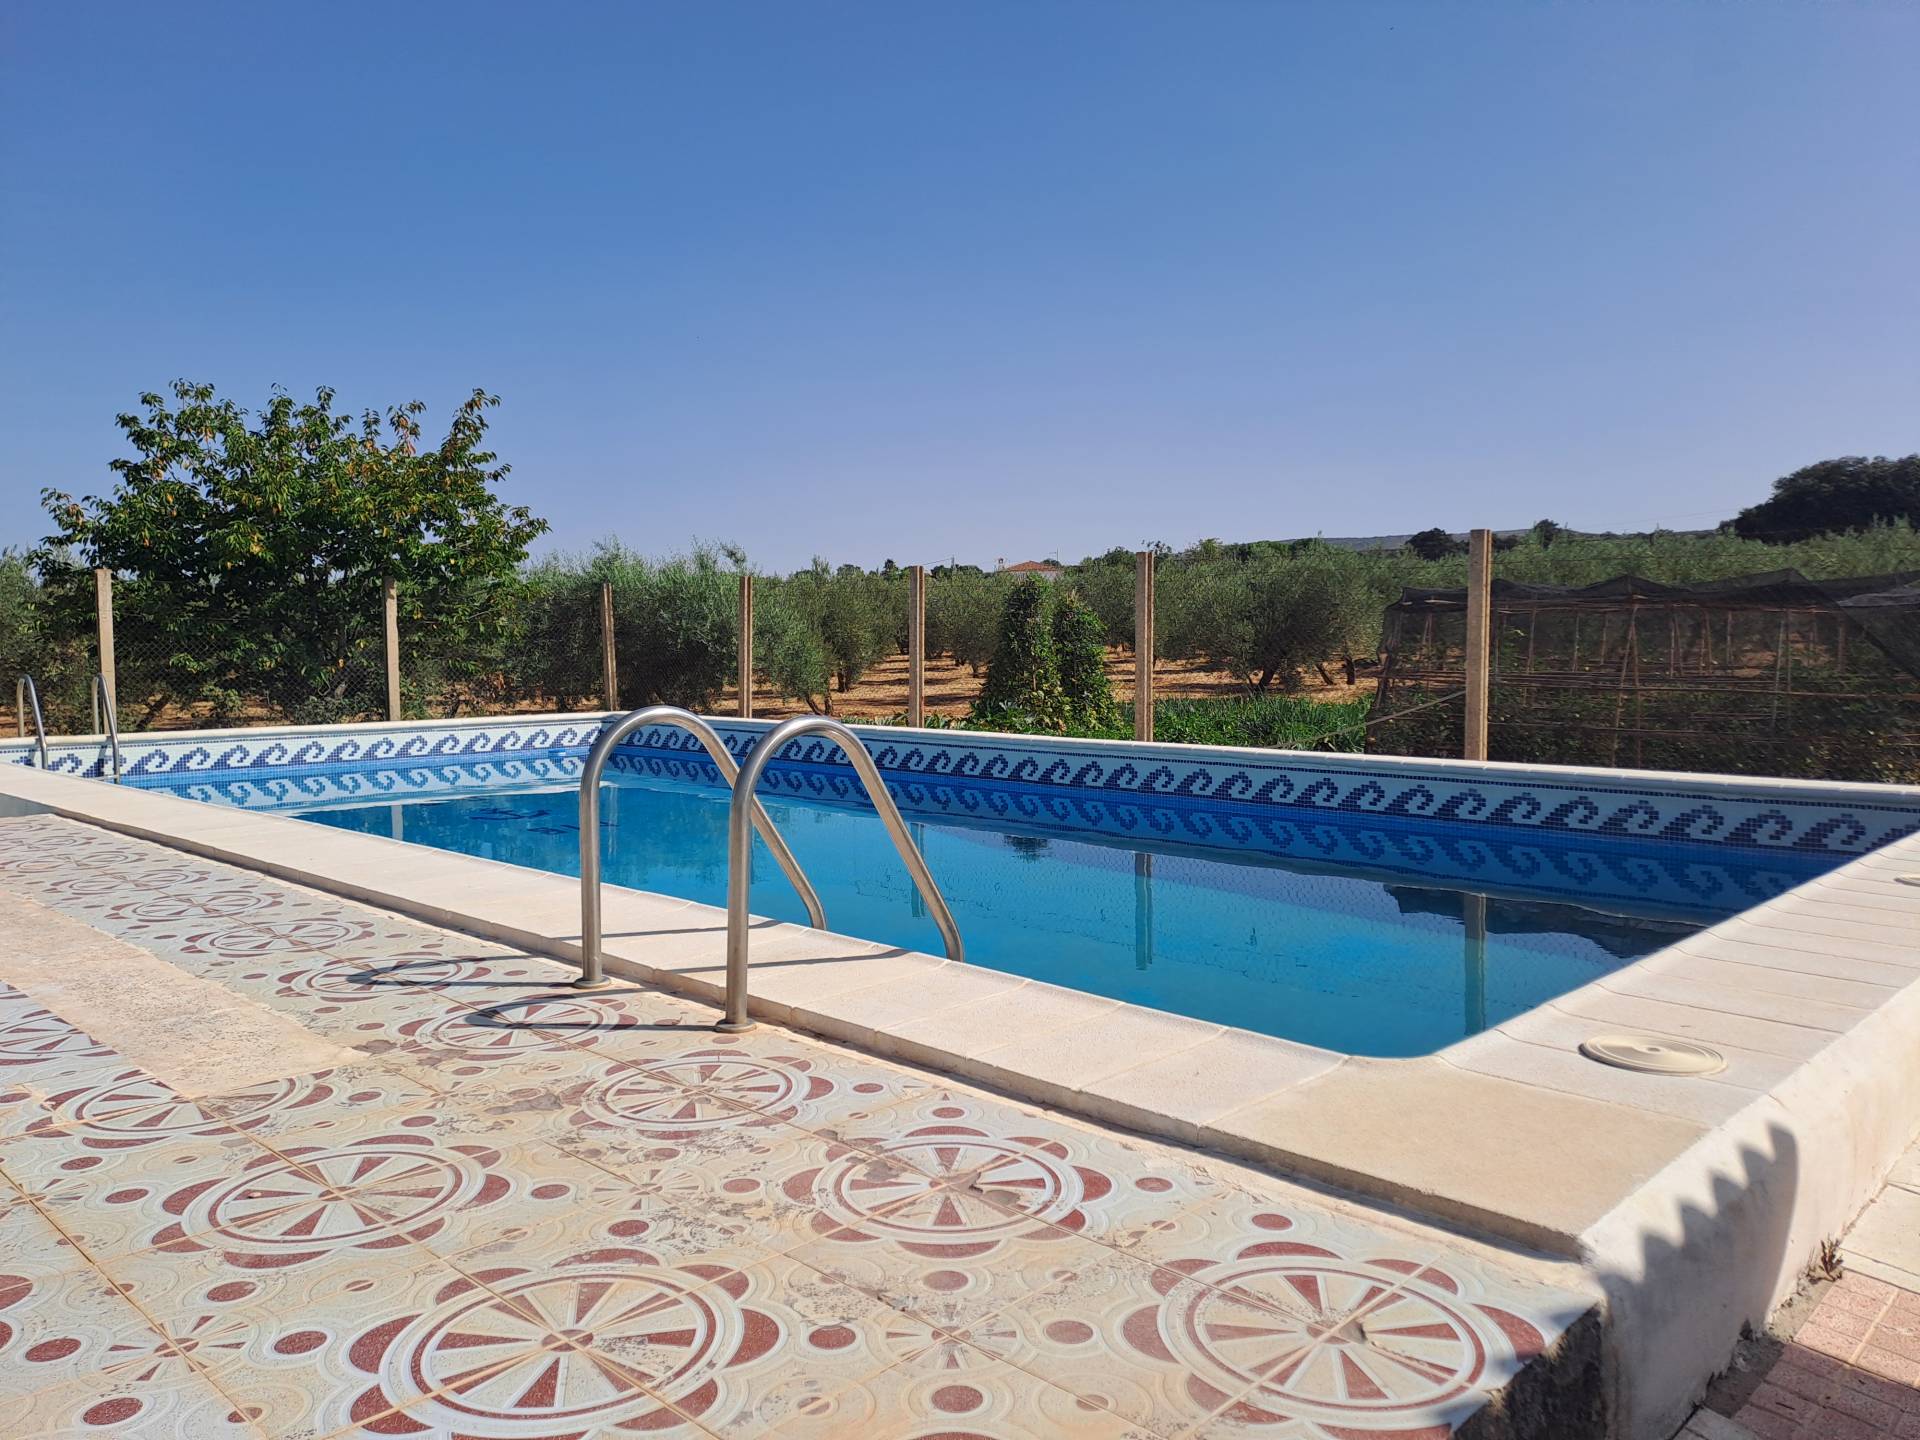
x=989, y=279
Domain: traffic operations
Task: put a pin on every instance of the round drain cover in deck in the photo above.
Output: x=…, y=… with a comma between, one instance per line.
x=1653, y=1054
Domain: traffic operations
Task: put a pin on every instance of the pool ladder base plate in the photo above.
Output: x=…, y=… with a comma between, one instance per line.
x=735, y=1027
x=583, y=983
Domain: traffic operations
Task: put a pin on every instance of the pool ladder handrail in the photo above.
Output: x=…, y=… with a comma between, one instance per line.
x=24, y=690
x=740, y=849
x=592, y=973
x=103, y=703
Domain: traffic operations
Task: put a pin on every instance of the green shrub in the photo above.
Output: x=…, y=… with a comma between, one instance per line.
x=1023, y=691
x=1080, y=652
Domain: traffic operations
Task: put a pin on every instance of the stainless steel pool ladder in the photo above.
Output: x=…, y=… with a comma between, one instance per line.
x=103, y=700
x=746, y=809
x=591, y=973
x=24, y=690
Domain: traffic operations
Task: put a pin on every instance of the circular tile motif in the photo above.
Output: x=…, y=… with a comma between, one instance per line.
x=1326, y=1339
x=570, y=1351
x=40, y=1036
x=950, y=1185
x=280, y=937
x=217, y=905
x=292, y=1211
x=518, y=1030
x=138, y=1107
x=342, y=981
x=703, y=1091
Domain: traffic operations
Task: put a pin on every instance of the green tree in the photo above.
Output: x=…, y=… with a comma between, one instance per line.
x=1023, y=680
x=963, y=616
x=1435, y=544
x=1270, y=618
x=1080, y=652
x=675, y=627
x=1851, y=493
x=254, y=548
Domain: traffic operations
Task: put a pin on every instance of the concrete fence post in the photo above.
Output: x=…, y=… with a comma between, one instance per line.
x=103, y=621
x=746, y=647
x=1479, y=641
x=609, y=666
x=916, y=645
x=390, y=595
x=1143, y=646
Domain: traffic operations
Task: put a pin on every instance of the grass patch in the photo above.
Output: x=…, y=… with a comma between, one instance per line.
x=1275, y=722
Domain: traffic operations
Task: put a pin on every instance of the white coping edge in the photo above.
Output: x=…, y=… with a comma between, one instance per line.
x=1712, y=1241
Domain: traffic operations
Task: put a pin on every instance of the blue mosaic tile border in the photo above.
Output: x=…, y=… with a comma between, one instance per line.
x=1679, y=882
x=1714, y=812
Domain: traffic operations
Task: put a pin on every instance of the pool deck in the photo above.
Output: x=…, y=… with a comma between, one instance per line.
x=278, y=1164
x=1691, y=1205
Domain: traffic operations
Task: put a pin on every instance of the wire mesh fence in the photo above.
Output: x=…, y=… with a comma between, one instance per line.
x=1769, y=674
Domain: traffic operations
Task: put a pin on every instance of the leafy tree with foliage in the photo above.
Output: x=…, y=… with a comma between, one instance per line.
x=1079, y=649
x=963, y=615
x=254, y=548
x=1023, y=680
x=822, y=628
x=1106, y=584
x=1851, y=493
x=1435, y=544
x=675, y=626
x=1271, y=617
x=788, y=652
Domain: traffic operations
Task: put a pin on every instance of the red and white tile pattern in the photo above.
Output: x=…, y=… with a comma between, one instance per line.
x=534, y=1214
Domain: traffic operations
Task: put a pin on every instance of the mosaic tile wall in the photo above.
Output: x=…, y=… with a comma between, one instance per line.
x=1042, y=778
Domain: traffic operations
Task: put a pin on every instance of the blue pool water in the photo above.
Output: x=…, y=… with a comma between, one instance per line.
x=1363, y=937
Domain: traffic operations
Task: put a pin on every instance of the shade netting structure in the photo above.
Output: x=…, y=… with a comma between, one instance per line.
x=1768, y=674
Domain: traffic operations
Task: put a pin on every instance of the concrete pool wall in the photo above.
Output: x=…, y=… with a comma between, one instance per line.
x=1694, y=1205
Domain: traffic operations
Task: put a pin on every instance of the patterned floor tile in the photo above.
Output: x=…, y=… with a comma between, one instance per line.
x=534, y=1212
x=712, y=1084
x=106, y=1102
x=165, y=1399
x=31, y=1248
x=945, y=1261
x=114, y=1200
x=1098, y=1335
x=538, y=1040
x=341, y=1099
x=1325, y=1349
x=448, y=1192
x=58, y=1328
x=950, y=1391
x=981, y=1156
x=614, y=1337
x=778, y=1186
x=39, y=1049
x=295, y=1341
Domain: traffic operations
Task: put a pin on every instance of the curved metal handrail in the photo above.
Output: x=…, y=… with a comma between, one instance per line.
x=740, y=849
x=104, y=692
x=24, y=690
x=591, y=975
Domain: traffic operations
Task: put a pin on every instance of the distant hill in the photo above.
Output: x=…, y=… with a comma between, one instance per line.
x=1394, y=542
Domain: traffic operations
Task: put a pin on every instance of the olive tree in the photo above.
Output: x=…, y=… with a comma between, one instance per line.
x=253, y=548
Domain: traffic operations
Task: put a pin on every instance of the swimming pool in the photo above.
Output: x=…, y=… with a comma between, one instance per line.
x=1370, y=934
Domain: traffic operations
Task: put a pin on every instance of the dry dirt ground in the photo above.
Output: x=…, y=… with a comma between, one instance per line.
x=882, y=693
x=951, y=688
